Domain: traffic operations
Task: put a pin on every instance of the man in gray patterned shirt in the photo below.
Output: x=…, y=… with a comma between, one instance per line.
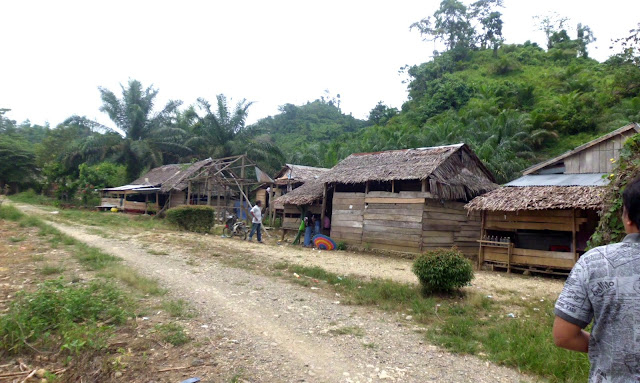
x=604, y=285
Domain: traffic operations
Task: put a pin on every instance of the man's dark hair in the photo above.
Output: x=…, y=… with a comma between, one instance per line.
x=631, y=201
x=258, y=202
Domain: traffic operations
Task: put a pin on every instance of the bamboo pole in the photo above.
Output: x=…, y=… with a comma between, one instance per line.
x=324, y=205
x=189, y=194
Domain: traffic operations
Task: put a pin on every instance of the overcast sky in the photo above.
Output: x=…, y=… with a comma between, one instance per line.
x=55, y=54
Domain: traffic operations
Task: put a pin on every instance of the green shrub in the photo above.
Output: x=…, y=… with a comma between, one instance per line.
x=192, y=218
x=443, y=270
x=342, y=245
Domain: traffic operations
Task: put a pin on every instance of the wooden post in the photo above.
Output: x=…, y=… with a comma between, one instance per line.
x=481, y=249
x=146, y=203
x=224, y=217
x=393, y=186
x=241, y=205
x=324, y=205
x=573, y=232
x=189, y=194
x=366, y=187
x=424, y=185
x=209, y=190
x=509, y=257
x=272, y=206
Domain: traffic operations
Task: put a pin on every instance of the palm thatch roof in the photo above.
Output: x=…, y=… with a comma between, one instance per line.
x=518, y=198
x=298, y=173
x=306, y=194
x=171, y=177
x=452, y=171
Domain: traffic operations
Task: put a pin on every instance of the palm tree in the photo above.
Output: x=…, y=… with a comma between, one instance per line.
x=223, y=132
x=145, y=136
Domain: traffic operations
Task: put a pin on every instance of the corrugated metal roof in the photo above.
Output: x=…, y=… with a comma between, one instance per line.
x=133, y=187
x=593, y=179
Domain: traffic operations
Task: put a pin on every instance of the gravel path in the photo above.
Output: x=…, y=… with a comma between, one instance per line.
x=288, y=333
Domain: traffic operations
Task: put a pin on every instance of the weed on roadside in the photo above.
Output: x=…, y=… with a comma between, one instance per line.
x=348, y=330
x=17, y=239
x=58, y=314
x=51, y=269
x=178, y=308
x=134, y=280
x=172, y=333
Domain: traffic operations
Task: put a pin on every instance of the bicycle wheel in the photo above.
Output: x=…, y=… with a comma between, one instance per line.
x=226, y=232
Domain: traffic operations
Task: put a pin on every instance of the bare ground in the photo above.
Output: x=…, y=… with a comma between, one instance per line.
x=279, y=332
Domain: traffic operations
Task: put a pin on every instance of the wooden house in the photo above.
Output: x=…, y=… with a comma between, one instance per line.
x=164, y=185
x=408, y=200
x=543, y=220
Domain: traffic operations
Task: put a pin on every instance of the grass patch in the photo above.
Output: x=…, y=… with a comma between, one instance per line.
x=348, y=330
x=172, y=333
x=157, y=252
x=134, y=280
x=467, y=323
x=178, y=308
x=33, y=198
x=10, y=213
x=70, y=317
x=93, y=258
x=51, y=269
x=17, y=239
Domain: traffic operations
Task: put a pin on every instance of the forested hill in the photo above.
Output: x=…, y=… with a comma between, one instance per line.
x=514, y=105
x=300, y=131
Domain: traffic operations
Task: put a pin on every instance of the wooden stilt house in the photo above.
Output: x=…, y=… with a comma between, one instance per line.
x=543, y=220
x=408, y=200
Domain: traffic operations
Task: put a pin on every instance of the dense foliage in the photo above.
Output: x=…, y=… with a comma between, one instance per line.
x=443, y=270
x=199, y=219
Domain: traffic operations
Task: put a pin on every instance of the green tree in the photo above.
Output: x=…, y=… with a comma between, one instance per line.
x=17, y=159
x=144, y=135
x=221, y=132
x=381, y=114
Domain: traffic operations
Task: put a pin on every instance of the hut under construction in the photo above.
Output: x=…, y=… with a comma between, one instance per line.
x=408, y=200
x=543, y=220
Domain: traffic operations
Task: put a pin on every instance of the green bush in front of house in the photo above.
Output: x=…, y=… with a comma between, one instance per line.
x=443, y=270
x=192, y=218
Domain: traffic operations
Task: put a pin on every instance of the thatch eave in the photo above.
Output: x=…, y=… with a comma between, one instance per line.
x=523, y=198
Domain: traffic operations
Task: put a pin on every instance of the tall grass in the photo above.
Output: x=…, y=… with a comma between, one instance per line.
x=33, y=198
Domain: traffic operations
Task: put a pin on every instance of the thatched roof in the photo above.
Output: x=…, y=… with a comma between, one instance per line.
x=304, y=195
x=171, y=177
x=298, y=173
x=517, y=198
x=452, y=171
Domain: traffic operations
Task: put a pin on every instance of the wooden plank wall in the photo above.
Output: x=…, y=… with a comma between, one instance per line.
x=558, y=220
x=446, y=224
x=528, y=257
x=293, y=216
x=392, y=223
x=347, y=217
x=596, y=159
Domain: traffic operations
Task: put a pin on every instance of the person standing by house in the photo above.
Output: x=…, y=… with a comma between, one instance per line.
x=604, y=286
x=308, y=231
x=256, y=220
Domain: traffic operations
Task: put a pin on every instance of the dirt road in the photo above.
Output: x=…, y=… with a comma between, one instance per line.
x=289, y=333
